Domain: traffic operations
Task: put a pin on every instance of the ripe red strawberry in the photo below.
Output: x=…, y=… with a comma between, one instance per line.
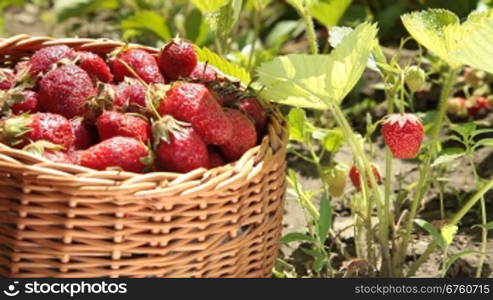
x=179, y=147
x=477, y=105
x=112, y=123
x=177, y=59
x=125, y=153
x=215, y=158
x=130, y=92
x=95, y=66
x=252, y=108
x=18, y=131
x=44, y=58
x=356, y=179
x=85, y=136
x=244, y=135
x=65, y=90
x=29, y=104
x=203, y=72
x=141, y=62
x=195, y=104
x=7, y=78
x=403, y=134
x=75, y=156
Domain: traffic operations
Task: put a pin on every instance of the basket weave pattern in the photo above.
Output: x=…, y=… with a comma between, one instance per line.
x=59, y=220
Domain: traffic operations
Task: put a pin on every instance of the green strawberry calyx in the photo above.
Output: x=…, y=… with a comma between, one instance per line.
x=13, y=129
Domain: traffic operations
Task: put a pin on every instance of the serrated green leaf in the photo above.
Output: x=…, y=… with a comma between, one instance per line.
x=149, y=21
x=433, y=29
x=473, y=40
x=329, y=12
x=220, y=15
x=298, y=131
x=465, y=130
x=295, y=237
x=325, y=220
x=223, y=65
x=437, y=236
x=318, y=81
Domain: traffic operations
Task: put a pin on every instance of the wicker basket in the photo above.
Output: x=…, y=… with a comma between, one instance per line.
x=59, y=220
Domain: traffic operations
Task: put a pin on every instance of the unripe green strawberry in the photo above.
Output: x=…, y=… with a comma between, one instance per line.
x=336, y=178
x=415, y=78
x=457, y=107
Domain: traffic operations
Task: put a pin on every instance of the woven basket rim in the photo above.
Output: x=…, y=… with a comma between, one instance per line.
x=250, y=159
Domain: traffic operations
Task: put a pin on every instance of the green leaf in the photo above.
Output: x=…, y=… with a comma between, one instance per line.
x=433, y=29
x=464, y=130
x=450, y=260
x=298, y=131
x=149, y=21
x=448, y=232
x=485, y=142
x=487, y=226
x=329, y=12
x=448, y=155
x=428, y=227
x=301, y=5
x=261, y=4
x=318, y=81
x=196, y=27
x=65, y=9
x=325, y=220
x=223, y=65
x=473, y=41
x=295, y=237
x=207, y=6
x=333, y=140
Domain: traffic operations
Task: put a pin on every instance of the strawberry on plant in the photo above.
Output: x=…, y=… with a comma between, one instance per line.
x=29, y=103
x=252, y=108
x=7, y=78
x=113, y=123
x=457, y=107
x=179, y=148
x=20, y=130
x=477, y=105
x=335, y=178
x=85, y=135
x=244, y=135
x=65, y=91
x=177, y=59
x=95, y=66
x=203, y=73
x=356, y=178
x=124, y=153
x=215, y=158
x=195, y=104
x=42, y=60
x=415, y=78
x=135, y=62
x=403, y=134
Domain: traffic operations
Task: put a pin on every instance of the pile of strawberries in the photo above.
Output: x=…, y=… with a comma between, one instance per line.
x=131, y=110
